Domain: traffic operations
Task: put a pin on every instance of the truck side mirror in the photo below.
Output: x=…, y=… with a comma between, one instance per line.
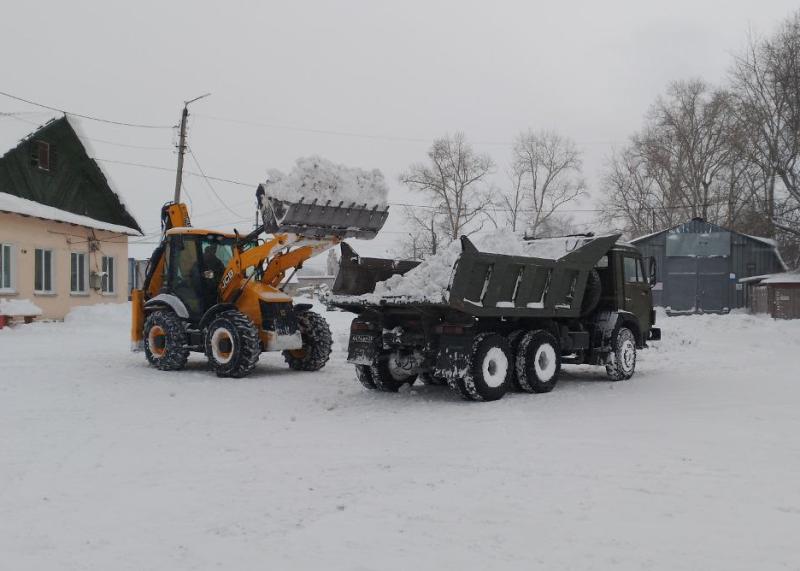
x=651, y=270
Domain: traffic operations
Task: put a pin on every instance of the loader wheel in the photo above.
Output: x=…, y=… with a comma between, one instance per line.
x=364, y=376
x=488, y=377
x=621, y=362
x=538, y=362
x=317, y=343
x=388, y=376
x=165, y=341
x=232, y=344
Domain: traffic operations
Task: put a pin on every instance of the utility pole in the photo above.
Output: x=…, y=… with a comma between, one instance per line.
x=182, y=147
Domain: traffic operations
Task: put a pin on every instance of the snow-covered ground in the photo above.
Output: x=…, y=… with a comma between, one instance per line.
x=107, y=464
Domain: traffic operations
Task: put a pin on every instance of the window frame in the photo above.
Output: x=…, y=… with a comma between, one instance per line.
x=84, y=277
x=44, y=291
x=108, y=279
x=12, y=268
x=43, y=145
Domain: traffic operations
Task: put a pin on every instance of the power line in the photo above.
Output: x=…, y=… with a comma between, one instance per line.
x=89, y=117
x=371, y=136
x=208, y=182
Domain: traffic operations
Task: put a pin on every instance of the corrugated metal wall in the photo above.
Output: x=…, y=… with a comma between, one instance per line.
x=718, y=275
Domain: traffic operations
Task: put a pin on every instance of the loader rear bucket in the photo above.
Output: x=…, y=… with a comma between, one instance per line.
x=316, y=219
x=358, y=275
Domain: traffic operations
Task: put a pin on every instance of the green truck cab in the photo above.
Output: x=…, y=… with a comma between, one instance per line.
x=506, y=321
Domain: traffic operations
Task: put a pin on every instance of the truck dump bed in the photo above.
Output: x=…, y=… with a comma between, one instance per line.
x=482, y=284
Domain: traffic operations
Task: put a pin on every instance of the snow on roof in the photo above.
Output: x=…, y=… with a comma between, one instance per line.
x=16, y=307
x=779, y=278
x=16, y=205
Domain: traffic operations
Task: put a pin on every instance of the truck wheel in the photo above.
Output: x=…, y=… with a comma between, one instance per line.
x=489, y=375
x=232, y=344
x=431, y=379
x=621, y=361
x=317, y=343
x=514, y=339
x=538, y=362
x=165, y=341
x=388, y=377
x=364, y=376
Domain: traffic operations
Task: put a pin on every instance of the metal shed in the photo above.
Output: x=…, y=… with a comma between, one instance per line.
x=699, y=264
x=777, y=295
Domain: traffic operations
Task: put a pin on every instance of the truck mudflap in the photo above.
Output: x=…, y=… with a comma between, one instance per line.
x=453, y=356
x=364, y=347
x=655, y=334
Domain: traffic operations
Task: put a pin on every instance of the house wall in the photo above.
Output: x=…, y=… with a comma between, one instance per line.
x=25, y=234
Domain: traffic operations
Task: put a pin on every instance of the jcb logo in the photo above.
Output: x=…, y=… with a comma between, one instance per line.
x=226, y=279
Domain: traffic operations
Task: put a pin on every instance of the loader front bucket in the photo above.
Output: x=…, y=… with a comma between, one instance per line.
x=316, y=219
x=358, y=275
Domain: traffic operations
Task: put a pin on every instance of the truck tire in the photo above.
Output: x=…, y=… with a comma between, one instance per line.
x=488, y=377
x=538, y=362
x=592, y=293
x=431, y=379
x=165, y=341
x=232, y=344
x=364, y=376
x=317, y=343
x=514, y=339
x=621, y=361
x=387, y=377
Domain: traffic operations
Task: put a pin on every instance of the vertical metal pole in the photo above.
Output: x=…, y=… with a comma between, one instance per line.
x=181, y=151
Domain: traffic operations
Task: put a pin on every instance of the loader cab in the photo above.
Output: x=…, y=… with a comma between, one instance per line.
x=195, y=262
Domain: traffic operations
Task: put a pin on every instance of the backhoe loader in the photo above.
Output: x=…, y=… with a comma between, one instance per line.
x=220, y=293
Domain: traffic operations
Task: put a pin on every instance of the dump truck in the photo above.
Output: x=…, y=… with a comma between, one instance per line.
x=221, y=293
x=505, y=322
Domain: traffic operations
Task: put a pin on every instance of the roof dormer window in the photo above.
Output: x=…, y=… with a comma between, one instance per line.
x=43, y=155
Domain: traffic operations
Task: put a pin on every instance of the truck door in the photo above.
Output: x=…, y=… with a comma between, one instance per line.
x=636, y=290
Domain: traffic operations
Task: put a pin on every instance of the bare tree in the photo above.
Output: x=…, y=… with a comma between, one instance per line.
x=453, y=182
x=766, y=82
x=545, y=175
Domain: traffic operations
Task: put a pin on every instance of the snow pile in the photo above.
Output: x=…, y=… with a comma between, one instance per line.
x=430, y=280
x=317, y=178
x=22, y=307
x=100, y=314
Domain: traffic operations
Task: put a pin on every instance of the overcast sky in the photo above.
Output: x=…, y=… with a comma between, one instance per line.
x=368, y=84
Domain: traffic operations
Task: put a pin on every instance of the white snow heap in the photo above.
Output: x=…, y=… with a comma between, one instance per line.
x=430, y=280
x=318, y=178
x=20, y=307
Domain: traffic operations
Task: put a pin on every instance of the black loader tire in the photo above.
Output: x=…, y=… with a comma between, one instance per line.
x=488, y=377
x=364, y=376
x=538, y=362
x=165, y=341
x=387, y=378
x=317, y=343
x=232, y=344
x=621, y=361
x=592, y=293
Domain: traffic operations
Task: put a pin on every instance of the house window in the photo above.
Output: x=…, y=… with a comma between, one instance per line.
x=77, y=272
x=109, y=271
x=43, y=155
x=6, y=268
x=43, y=271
